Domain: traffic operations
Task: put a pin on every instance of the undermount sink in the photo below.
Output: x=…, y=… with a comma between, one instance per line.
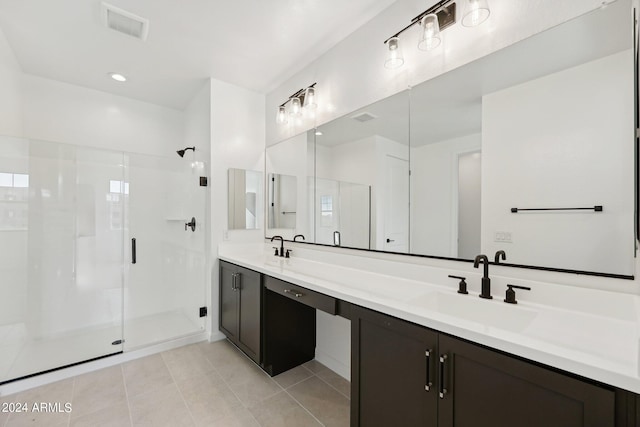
x=493, y=313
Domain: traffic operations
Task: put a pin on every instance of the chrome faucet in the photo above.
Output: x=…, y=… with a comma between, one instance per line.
x=486, y=282
x=281, y=245
x=298, y=235
x=500, y=254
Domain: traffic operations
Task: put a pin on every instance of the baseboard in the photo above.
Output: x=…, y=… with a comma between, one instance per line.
x=217, y=336
x=334, y=364
x=95, y=365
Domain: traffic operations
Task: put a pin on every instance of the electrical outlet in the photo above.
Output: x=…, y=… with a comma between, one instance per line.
x=502, y=237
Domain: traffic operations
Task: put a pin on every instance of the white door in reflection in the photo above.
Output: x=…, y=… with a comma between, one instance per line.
x=396, y=210
x=469, y=204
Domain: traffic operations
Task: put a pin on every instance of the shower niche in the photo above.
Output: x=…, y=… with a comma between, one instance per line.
x=70, y=290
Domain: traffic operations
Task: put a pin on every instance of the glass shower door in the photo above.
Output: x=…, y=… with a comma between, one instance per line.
x=61, y=263
x=165, y=283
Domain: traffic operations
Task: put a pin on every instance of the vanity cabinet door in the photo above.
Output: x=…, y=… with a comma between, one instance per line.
x=485, y=388
x=228, y=301
x=393, y=377
x=240, y=307
x=249, y=291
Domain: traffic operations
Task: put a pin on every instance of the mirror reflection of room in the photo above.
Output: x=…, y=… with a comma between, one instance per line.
x=362, y=185
x=244, y=199
x=290, y=166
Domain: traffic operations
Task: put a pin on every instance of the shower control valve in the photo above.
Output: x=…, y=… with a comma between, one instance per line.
x=191, y=224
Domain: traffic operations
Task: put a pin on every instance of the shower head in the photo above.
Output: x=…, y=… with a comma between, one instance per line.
x=181, y=152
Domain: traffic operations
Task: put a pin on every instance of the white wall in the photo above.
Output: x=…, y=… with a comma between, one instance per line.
x=237, y=141
x=434, y=210
x=11, y=90
x=539, y=151
x=351, y=74
x=61, y=112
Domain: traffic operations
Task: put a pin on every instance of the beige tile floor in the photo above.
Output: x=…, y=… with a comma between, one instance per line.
x=204, y=384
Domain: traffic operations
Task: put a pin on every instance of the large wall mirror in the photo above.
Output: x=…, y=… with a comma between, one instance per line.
x=514, y=151
x=529, y=150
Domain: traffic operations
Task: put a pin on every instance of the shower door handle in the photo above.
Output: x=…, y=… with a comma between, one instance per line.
x=133, y=250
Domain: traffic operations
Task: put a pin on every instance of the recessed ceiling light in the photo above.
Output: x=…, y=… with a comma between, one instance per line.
x=118, y=77
x=318, y=133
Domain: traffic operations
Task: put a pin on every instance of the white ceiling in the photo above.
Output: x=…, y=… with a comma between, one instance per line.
x=255, y=44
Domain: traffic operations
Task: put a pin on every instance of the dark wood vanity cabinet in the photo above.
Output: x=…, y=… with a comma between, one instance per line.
x=240, y=307
x=488, y=388
x=405, y=374
x=392, y=371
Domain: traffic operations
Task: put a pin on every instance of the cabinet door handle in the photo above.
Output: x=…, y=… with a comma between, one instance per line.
x=134, y=256
x=233, y=281
x=443, y=388
x=293, y=292
x=428, y=383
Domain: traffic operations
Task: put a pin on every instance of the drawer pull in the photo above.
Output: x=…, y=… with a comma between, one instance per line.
x=428, y=382
x=293, y=292
x=443, y=388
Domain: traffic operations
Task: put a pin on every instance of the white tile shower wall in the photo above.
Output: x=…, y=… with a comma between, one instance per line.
x=351, y=74
x=237, y=141
x=11, y=90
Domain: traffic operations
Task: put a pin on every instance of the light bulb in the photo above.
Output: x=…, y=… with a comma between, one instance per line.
x=295, y=108
x=430, y=37
x=281, y=116
x=475, y=12
x=310, y=99
x=394, y=55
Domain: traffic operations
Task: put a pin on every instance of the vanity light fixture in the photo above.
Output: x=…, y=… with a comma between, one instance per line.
x=430, y=32
x=281, y=117
x=301, y=101
x=475, y=13
x=394, y=56
x=310, y=99
x=434, y=20
x=295, y=109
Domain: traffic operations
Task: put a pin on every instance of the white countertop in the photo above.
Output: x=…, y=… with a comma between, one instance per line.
x=592, y=333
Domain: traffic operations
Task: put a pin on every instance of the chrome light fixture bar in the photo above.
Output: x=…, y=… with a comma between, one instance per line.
x=432, y=21
x=304, y=100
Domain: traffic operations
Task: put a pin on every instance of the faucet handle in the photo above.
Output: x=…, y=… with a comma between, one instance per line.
x=510, y=294
x=286, y=255
x=277, y=253
x=462, y=286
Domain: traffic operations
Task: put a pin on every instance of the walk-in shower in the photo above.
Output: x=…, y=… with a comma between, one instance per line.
x=94, y=259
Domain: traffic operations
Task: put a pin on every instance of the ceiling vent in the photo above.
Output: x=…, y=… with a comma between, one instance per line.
x=364, y=117
x=125, y=22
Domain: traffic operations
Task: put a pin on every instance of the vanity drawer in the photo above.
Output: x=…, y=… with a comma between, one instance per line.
x=302, y=295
